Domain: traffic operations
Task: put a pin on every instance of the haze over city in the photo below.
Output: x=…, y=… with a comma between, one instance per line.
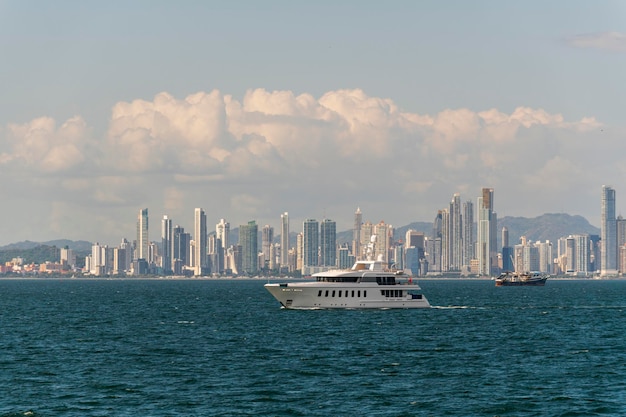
x=253, y=109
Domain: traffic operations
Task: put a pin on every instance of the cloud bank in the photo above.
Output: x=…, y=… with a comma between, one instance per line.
x=276, y=151
x=612, y=41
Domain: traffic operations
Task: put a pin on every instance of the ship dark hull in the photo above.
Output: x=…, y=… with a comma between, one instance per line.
x=524, y=283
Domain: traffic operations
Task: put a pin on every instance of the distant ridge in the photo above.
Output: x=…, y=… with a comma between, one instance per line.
x=77, y=245
x=549, y=226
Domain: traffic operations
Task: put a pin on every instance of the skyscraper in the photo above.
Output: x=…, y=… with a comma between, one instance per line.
x=127, y=247
x=468, y=232
x=284, y=240
x=456, y=234
x=507, y=251
x=446, y=244
x=200, y=240
x=414, y=238
x=608, y=231
x=222, y=230
x=356, y=233
x=381, y=247
x=180, y=249
x=248, y=240
x=367, y=230
x=166, y=243
x=328, y=242
x=300, y=251
x=486, y=241
x=143, y=241
x=310, y=242
x=583, y=256
x=267, y=236
x=620, y=223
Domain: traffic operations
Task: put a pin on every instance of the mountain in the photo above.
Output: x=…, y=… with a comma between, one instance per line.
x=549, y=226
x=40, y=252
x=76, y=245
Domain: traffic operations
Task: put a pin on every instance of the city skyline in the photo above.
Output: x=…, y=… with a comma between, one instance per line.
x=310, y=109
x=317, y=248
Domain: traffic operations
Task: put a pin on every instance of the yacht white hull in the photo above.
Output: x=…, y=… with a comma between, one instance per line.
x=317, y=295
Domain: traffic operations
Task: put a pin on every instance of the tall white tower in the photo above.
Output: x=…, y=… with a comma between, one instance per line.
x=200, y=239
x=486, y=240
x=222, y=230
x=143, y=241
x=356, y=233
x=608, y=232
x=166, y=243
x=284, y=240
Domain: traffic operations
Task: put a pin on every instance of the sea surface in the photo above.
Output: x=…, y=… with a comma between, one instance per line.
x=226, y=348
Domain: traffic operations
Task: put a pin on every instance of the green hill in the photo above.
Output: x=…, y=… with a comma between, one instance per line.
x=549, y=226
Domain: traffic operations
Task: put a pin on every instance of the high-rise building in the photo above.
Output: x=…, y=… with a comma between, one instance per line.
x=356, y=233
x=468, y=232
x=248, y=240
x=328, y=242
x=415, y=239
x=437, y=225
x=180, y=249
x=300, y=251
x=284, y=240
x=119, y=260
x=621, y=241
x=621, y=230
x=143, y=241
x=200, y=240
x=344, y=258
x=505, y=236
x=68, y=257
x=398, y=256
x=311, y=242
x=608, y=231
x=507, y=251
x=215, y=258
x=446, y=244
x=367, y=230
x=412, y=260
x=222, y=230
x=583, y=255
x=545, y=256
x=97, y=259
x=486, y=244
x=166, y=245
x=433, y=249
x=456, y=234
x=267, y=236
x=381, y=246
x=127, y=247
x=274, y=248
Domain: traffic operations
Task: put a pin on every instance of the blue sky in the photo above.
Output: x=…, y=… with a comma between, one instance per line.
x=312, y=107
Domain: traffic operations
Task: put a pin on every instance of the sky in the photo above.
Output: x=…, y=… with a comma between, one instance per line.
x=250, y=109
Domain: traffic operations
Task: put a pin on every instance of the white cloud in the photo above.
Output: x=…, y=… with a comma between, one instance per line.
x=41, y=146
x=612, y=41
x=274, y=151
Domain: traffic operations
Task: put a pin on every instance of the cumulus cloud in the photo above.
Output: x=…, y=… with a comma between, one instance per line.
x=273, y=150
x=42, y=146
x=612, y=41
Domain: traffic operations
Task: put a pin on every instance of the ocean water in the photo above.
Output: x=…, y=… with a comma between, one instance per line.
x=226, y=348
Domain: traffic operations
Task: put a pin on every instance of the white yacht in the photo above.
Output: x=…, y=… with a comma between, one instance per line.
x=366, y=285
